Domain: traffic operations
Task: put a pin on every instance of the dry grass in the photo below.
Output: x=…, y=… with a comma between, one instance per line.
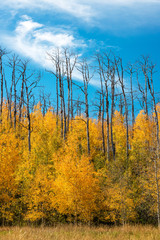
x=80, y=233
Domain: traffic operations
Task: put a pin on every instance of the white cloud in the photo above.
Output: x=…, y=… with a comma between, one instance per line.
x=84, y=9
x=32, y=40
x=58, y=40
x=116, y=16
x=73, y=7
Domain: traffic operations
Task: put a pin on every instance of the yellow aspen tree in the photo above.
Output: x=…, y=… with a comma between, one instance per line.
x=76, y=187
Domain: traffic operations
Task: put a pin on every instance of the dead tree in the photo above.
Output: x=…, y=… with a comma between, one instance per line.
x=29, y=86
x=130, y=70
x=6, y=87
x=70, y=62
x=2, y=53
x=120, y=104
x=23, y=67
x=61, y=83
x=59, y=73
x=83, y=68
x=112, y=73
x=100, y=107
x=54, y=58
x=102, y=95
x=120, y=72
x=144, y=64
x=106, y=79
x=13, y=63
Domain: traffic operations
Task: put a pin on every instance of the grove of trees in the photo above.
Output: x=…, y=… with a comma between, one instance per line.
x=57, y=164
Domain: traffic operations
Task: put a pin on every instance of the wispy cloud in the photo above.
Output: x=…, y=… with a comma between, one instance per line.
x=32, y=40
x=118, y=17
x=84, y=9
x=73, y=7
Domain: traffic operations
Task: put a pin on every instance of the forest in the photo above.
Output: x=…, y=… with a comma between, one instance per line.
x=60, y=165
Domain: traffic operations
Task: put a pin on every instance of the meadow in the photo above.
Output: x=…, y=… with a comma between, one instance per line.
x=69, y=232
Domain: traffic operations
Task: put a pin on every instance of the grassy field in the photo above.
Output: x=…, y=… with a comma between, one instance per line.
x=80, y=233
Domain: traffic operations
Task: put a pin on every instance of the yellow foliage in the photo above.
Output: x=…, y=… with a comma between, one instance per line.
x=76, y=188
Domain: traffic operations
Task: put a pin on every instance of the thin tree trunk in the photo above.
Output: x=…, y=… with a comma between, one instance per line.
x=14, y=86
x=1, y=72
x=102, y=116
x=87, y=114
x=112, y=111
x=61, y=98
x=107, y=115
x=29, y=120
x=64, y=112
x=21, y=99
x=132, y=100
x=121, y=81
x=57, y=110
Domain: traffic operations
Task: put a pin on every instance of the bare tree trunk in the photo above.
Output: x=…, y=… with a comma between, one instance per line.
x=2, y=53
x=1, y=72
x=144, y=67
x=61, y=97
x=146, y=104
x=103, y=136
x=64, y=112
x=68, y=86
x=101, y=113
x=121, y=81
x=102, y=116
x=87, y=116
x=29, y=120
x=120, y=105
x=100, y=107
x=7, y=96
x=112, y=109
x=29, y=88
x=12, y=64
x=107, y=115
x=68, y=104
x=132, y=99
x=131, y=71
x=71, y=68
x=24, y=65
x=84, y=69
x=71, y=99
x=102, y=66
x=10, y=103
x=57, y=94
x=15, y=97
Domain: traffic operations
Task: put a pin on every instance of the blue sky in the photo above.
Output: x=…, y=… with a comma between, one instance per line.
x=129, y=27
